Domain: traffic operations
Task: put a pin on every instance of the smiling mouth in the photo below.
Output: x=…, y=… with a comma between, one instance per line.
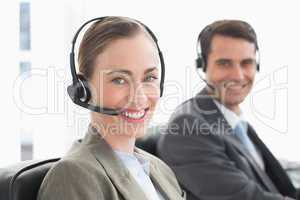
x=234, y=86
x=134, y=115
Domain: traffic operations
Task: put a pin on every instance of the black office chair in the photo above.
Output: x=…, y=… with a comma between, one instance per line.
x=149, y=141
x=22, y=181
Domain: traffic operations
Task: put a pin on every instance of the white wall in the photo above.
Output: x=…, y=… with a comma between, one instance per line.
x=10, y=122
x=271, y=108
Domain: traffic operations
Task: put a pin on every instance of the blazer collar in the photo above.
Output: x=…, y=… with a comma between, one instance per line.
x=159, y=179
x=213, y=115
x=118, y=172
x=113, y=166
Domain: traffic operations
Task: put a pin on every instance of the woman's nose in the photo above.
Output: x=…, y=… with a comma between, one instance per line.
x=139, y=96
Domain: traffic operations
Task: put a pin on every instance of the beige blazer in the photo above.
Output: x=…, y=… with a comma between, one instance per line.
x=92, y=171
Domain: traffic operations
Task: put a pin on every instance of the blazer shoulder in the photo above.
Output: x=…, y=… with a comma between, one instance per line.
x=186, y=107
x=73, y=178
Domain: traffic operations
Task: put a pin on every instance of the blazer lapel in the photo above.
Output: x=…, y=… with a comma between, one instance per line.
x=115, y=169
x=160, y=182
x=213, y=115
x=273, y=168
x=261, y=174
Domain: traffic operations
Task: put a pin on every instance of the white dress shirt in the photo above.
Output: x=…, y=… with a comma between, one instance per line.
x=233, y=120
x=139, y=168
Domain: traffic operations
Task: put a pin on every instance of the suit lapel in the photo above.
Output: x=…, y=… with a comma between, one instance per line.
x=273, y=168
x=160, y=181
x=115, y=169
x=208, y=109
x=261, y=174
x=213, y=115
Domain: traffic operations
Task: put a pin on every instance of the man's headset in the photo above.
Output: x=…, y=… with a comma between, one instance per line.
x=80, y=92
x=207, y=33
x=206, y=36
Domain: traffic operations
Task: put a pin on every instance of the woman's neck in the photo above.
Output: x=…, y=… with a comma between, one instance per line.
x=117, y=141
x=122, y=143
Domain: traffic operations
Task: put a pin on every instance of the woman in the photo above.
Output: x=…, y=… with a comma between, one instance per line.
x=119, y=59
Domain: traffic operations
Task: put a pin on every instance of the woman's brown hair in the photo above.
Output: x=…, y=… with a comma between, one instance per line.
x=99, y=35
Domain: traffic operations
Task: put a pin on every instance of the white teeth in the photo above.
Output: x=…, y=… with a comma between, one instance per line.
x=135, y=115
x=234, y=86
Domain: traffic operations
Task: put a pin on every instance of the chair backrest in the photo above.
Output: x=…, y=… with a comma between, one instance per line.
x=149, y=141
x=22, y=181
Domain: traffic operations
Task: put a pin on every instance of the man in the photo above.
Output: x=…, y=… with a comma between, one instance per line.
x=214, y=152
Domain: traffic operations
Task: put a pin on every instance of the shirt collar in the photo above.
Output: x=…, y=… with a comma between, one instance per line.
x=232, y=118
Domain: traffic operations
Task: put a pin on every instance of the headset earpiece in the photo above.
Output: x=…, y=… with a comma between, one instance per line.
x=200, y=60
x=80, y=91
x=84, y=92
x=257, y=59
x=200, y=63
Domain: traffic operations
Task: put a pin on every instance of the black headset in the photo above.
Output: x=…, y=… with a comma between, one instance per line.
x=206, y=34
x=80, y=92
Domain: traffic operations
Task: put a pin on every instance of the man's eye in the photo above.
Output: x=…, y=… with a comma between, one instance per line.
x=224, y=62
x=248, y=62
x=150, y=78
x=119, y=81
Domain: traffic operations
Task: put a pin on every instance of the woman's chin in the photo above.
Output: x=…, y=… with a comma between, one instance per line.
x=135, y=130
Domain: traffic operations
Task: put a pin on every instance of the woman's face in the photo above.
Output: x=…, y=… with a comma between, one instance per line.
x=126, y=77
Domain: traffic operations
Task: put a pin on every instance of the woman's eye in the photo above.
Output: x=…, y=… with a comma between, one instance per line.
x=119, y=81
x=150, y=78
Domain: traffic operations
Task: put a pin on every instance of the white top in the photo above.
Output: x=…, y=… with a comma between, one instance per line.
x=139, y=168
x=232, y=118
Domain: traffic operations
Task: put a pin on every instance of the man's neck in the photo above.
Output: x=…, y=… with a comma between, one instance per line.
x=236, y=109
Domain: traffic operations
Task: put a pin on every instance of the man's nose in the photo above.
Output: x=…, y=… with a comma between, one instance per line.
x=237, y=73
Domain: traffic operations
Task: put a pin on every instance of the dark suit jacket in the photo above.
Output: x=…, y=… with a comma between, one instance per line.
x=92, y=171
x=209, y=161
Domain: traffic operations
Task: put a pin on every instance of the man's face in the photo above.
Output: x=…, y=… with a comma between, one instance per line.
x=231, y=69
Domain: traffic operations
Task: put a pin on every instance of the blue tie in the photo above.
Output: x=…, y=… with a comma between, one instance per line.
x=241, y=133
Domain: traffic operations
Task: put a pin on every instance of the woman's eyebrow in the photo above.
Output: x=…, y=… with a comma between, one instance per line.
x=127, y=72
x=118, y=71
x=150, y=70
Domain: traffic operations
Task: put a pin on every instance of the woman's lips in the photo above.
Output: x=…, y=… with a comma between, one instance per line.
x=133, y=115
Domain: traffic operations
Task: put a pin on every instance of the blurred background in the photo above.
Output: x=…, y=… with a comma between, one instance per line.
x=38, y=120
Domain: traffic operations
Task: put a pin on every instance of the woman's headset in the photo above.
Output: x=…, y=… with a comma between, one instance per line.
x=79, y=90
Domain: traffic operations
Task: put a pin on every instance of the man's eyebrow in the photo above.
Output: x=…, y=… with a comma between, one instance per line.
x=224, y=59
x=249, y=59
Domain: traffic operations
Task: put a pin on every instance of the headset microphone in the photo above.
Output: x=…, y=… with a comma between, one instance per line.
x=206, y=82
x=79, y=90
